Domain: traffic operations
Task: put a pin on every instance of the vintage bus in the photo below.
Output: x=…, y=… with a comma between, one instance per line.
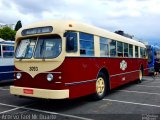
x=6, y=61
x=153, y=52
x=68, y=59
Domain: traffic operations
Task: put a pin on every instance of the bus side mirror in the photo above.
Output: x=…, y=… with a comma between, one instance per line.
x=71, y=42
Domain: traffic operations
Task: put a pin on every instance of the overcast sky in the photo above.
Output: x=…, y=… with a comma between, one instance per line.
x=140, y=18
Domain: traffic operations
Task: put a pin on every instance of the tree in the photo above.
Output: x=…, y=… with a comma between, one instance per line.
x=7, y=33
x=18, y=25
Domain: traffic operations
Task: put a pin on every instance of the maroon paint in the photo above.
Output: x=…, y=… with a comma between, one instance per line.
x=77, y=69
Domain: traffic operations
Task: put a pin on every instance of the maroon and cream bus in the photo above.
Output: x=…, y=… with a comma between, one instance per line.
x=67, y=59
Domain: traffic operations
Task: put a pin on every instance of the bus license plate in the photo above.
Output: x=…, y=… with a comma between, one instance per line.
x=27, y=91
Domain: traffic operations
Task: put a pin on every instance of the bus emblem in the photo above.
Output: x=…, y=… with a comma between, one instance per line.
x=123, y=65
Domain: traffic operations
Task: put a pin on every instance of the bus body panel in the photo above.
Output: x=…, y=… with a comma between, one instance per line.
x=78, y=74
x=6, y=73
x=6, y=61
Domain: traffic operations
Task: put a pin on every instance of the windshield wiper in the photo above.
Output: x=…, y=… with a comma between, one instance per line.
x=42, y=50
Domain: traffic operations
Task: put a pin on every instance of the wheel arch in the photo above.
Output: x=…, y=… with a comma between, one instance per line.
x=107, y=75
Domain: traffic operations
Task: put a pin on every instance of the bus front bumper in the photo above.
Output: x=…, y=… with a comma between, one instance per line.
x=39, y=93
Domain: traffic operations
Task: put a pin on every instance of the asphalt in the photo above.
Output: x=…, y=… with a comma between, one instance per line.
x=129, y=102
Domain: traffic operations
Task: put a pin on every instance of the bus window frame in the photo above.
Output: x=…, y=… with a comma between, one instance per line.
x=86, y=40
x=29, y=43
x=35, y=47
x=52, y=35
x=67, y=34
x=142, y=52
x=0, y=51
x=124, y=52
x=106, y=44
x=120, y=46
x=137, y=55
x=115, y=50
x=130, y=48
x=8, y=45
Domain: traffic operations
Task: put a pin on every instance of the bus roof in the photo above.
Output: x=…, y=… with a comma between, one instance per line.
x=64, y=25
x=1, y=40
x=7, y=42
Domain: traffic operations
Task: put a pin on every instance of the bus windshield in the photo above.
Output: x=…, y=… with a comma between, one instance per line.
x=25, y=48
x=48, y=47
x=44, y=48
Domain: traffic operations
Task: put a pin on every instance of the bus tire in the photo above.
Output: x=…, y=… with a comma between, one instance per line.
x=101, y=87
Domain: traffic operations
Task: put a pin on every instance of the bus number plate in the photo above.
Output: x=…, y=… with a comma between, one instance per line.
x=27, y=91
x=33, y=68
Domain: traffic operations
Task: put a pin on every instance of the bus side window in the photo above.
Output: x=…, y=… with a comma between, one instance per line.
x=8, y=51
x=71, y=42
x=86, y=44
x=0, y=52
x=125, y=50
x=130, y=51
x=104, y=47
x=119, y=49
x=113, y=51
x=136, y=51
x=142, y=52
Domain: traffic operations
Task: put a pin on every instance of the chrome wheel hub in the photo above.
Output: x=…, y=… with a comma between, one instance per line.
x=100, y=86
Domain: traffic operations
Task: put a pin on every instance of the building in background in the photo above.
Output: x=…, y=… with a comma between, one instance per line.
x=2, y=25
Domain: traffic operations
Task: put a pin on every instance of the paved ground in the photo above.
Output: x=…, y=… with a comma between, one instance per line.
x=130, y=102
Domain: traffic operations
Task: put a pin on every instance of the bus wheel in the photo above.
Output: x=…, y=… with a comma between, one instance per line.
x=140, y=76
x=100, y=87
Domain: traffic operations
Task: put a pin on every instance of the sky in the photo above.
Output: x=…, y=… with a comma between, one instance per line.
x=140, y=18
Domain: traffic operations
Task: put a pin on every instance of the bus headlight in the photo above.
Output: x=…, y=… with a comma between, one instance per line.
x=18, y=75
x=49, y=77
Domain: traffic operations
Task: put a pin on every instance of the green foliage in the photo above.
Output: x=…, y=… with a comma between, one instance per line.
x=7, y=33
x=18, y=25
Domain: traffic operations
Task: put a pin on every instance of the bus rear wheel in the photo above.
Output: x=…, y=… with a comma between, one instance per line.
x=100, y=87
